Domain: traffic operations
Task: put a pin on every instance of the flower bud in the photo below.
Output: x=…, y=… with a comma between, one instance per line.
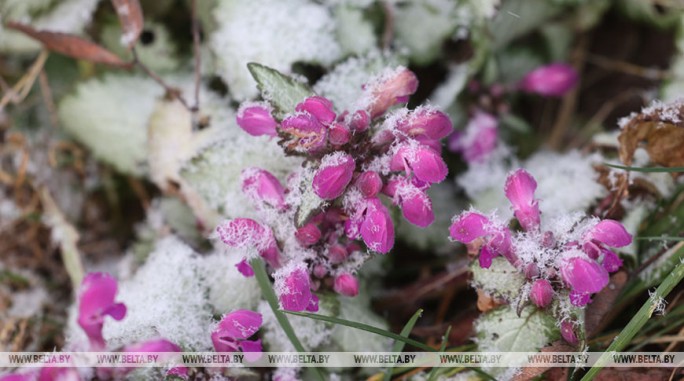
x=552, y=80
x=346, y=284
x=469, y=226
x=306, y=133
x=294, y=291
x=308, y=235
x=360, y=121
x=337, y=253
x=339, y=134
x=568, y=332
x=415, y=205
x=262, y=186
x=519, y=189
x=96, y=300
x=611, y=233
x=256, y=119
x=584, y=276
x=333, y=176
x=377, y=229
x=425, y=124
x=245, y=268
x=391, y=89
x=426, y=164
x=478, y=140
x=541, y=293
x=321, y=108
x=369, y=183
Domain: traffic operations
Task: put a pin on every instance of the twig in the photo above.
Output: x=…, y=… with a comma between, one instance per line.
x=47, y=97
x=21, y=89
x=628, y=68
x=388, y=32
x=196, y=53
x=171, y=91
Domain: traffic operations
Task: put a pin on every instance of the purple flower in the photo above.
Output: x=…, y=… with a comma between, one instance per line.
x=519, y=189
x=234, y=329
x=333, y=176
x=245, y=268
x=96, y=300
x=425, y=124
x=390, y=90
x=478, y=140
x=377, y=229
x=308, y=235
x=470, y=225
x=262, y=186
x=294, y=291
x=611, y=262
x=321, y=108
x=415, y=204
x=585, y=277
x=426, y=164
x=541, y=293
x=552, y=80
x=256, y=119
x=346, y=284
x=157, y=345
x=307, y=134
x=338, y=135
x=610, y=233
x=369, y=183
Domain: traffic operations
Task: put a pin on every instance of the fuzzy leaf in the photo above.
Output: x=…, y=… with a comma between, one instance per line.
x=503, y=330
x=131, y=19
x=310, y=204
x=71, y=45
x=282, y=91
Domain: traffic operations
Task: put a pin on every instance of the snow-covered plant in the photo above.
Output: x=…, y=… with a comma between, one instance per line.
x=312, y=227
x=566, y=259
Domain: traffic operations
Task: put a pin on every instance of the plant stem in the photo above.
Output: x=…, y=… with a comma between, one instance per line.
x=638, y=321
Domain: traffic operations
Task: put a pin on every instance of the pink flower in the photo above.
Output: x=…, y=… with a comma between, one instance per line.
x=337, y=253
x=541, y=293
x=308, y=235
x=319, y=107
x=360, y=121
x=377, y=229
x=256, y=119
x=295, y=291
x=369, y=183
x=157, y=345
x=552, y=80
x=425, y=124
x=390, y=90
x=611, y=233
x=57, y=374
x=245, y=232
x=346, y=284
x=426, y=164
x=234, y=329
x=245, y=268
x=478, y=140
x=611, y=262
x=339, y=134
x=519, y=189
x=96, y=300
x=415, y=205
x=567, y=329
x=307, y=134
x=333, y=176
x=28, y=376
x=468, y=227
x=262, y=186
x=585, y=277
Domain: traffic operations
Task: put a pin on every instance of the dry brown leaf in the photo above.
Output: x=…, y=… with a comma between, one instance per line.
x=529, y=373
x=661, y=126
x=71, y=45
x=596, y=317
x=131, y=19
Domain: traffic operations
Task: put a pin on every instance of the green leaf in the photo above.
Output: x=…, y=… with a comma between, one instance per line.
x=310, y=202
x=445, y=339
x=638, y=321
x=282, y=91
x=646, y=169
x=398, y=346
x=662, y=238
x=363, y=327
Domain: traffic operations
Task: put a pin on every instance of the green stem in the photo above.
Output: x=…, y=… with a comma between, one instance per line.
x=270, y=296
x=638, y=321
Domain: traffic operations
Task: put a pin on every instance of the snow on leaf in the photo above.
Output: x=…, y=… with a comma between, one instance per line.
x=131, y=18
x=282, y=91
x=310, y=202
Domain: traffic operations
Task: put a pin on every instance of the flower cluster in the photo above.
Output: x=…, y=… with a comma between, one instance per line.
x=568, y=256
x=353, y=159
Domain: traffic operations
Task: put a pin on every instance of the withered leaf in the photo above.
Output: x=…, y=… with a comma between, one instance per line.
x=71, y=45
x=661, y=126
x=599, y=312
x=530, y=373
x=131, y=19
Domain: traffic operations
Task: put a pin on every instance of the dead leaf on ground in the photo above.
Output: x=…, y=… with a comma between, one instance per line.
x=71, y=45
x=529, y=373
x=599, y=312
x=131, y=19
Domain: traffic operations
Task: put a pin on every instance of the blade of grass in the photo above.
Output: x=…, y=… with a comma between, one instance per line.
x=398, y=346
x=638, y=321
x=445, y=339
x=364, y=327
x=663, y=238
x=272, y=299
x=646, y=169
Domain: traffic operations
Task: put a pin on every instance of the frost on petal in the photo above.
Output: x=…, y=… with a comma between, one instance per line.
x=339, y=135
x=541, y=293
x=611, y=233
x=48, y=373
x=377, y=229
x=486, y=257
x=346, y=284
x=469, y=226
x=240, y=324
x=154, y=345
x=579, y=299
x=425, y=124
x=308, y=234
x=426, y=164
x=262, y=186
x=320, y=107
x=305, y=133
x=584, y=276
x=333, y=176
x=244, y=232
x=369, y=183
x=519, y=189
x=389, y=89
x=552, y=80
x=256, y=119
x=479, y=139
x=415, y=205
x=294, y=290
x=96, y=300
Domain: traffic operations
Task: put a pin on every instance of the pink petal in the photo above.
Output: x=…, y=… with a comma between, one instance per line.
x=611, y=233
x=308, y=234
x=245, y=269
x=479, y=139
x=426, y=124
x=428, y=166
x=337, y=254
x=240, y=324
x=469, y=226
x=346, y=284
x=262, y=186
x=541, y=293
x=552, y=80
x=319, y=107
x=294, y=290
x=369, y=183
x=360, y=121
x=415, y=205
x=305, y=131
x=96, y=300
x=256, y=119
x=154, y=345
x=584, y=276
x=579, y=299
x=486, y=256
x=333, y=176
x=568, y=332
x=377, y=229
x=390, y=90
x=251, y=349
x=178, y=371
x=519, y=189
x=611, y=261
x=339, y=135
x=242, y=232
x=58, y=374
